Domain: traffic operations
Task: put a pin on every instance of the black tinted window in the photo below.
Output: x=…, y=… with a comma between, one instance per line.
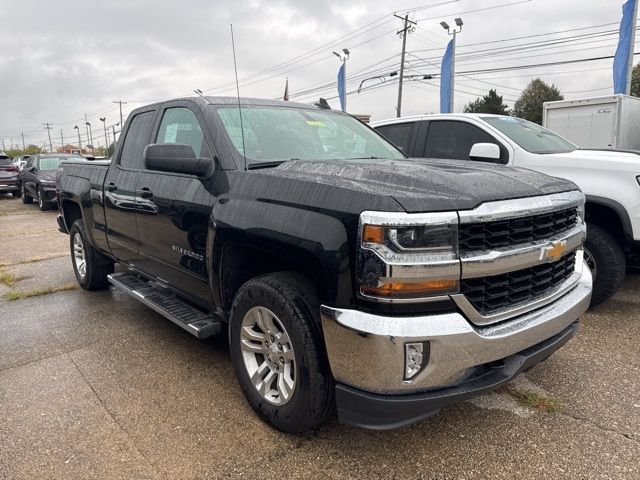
x=453, y=140
x=399, y=134
x=180, y=125
x=137, y=138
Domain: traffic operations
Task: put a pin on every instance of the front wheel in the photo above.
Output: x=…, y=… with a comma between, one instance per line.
x=607, y=262
x=91, y=268
x=42, y=205
x=26, y=199
x=277, y=353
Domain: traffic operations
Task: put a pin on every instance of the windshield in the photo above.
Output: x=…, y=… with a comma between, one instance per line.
x=51, y=163
x=531, y=136
x=280, y=134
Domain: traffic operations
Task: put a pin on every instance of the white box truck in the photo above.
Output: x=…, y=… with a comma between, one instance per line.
x=610, y=122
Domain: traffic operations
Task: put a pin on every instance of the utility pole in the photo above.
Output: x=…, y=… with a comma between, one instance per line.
x=113, y=127
x=453, y=32
x=90, y=135
x=62, y=141
x=344, y=56
x=79, y=140
x=106, y=139
x=119, y=102
x=3, y=147
x=409, y=26
x=632, y=49
x=48, y=127
x=23, y=146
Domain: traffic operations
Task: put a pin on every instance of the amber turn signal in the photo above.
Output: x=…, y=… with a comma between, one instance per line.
x=373, y=234
x=411, y=289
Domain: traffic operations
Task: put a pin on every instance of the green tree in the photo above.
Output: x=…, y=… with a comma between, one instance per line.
x=529, y=105
x=490, y=103
x=29, y=150
x=635, y=81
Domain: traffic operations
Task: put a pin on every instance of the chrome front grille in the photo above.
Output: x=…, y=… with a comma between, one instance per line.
x=491, y=294
x=515, y=231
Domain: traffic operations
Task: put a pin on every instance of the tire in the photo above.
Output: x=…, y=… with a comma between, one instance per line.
x=293, y=302
x=42, y=204
x=93, y=274
x=15, y=193
x=607, y=261
x=26, y=199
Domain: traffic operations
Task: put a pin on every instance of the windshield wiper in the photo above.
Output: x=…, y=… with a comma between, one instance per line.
x=275, y=163
x=372, y=157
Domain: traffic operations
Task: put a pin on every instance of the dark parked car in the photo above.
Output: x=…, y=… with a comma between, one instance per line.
x=37, y=179
x=9, y=182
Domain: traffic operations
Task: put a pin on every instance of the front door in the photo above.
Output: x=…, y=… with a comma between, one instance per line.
x=120, y=200
x=173, y=209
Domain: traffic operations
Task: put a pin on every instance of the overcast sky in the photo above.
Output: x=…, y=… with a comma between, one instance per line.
x=75, y=57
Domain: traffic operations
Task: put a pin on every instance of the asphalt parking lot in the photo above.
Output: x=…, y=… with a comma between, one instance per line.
x=95, y=385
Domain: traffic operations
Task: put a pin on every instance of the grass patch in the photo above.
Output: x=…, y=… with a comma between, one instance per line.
x=534, y=400
x=7, y=278
x=20, y=294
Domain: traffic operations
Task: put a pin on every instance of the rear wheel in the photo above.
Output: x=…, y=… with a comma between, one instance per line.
x=26, y=199
x=607, y=263
x=277, y=352
x=15, y=193
x=91, y=267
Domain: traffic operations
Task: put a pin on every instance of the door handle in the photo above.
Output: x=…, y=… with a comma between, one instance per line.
x=111, y=187
x=144, y=193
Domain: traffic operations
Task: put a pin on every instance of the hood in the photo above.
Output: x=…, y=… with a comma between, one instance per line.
x=420, y=185
x=602, y=159
x=47, y=175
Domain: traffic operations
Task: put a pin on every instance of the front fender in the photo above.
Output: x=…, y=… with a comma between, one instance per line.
x=315, y=242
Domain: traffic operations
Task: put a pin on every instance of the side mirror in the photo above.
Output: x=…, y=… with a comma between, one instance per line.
x=485, y=151
x=175, y=158
x=31, y=169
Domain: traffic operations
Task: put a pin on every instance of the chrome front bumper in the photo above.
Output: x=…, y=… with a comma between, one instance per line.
x=366, y=351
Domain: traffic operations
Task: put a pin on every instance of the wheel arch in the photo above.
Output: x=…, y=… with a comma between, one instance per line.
x=610, y=215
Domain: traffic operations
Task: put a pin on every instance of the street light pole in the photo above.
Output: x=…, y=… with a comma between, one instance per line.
x=79, y=140
x=90, y=136
x=454, y=32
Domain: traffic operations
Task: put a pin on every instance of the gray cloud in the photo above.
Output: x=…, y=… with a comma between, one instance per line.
x=70, y=58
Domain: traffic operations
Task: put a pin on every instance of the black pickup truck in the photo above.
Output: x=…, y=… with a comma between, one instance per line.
x=347, y=276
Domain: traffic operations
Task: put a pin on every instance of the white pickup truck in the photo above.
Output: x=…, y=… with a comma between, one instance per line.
x=609, y=179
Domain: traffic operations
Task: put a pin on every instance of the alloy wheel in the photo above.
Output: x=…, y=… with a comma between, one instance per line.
x=268, y=355
x=79, y=256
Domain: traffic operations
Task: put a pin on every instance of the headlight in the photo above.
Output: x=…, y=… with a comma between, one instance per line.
x=408, y=257
x=581, y=211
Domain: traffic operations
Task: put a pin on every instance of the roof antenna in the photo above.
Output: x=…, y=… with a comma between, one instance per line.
x=235, y=67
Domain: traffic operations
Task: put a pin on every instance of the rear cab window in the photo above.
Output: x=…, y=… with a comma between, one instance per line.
x=136, y=139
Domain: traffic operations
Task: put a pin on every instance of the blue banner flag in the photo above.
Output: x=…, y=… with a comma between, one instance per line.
x=445, y=80
x=342, y=93
x=621, y=60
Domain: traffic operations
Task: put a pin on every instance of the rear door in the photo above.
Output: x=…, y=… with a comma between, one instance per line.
x=28, y=178
x=120, y=201
x=174, y=208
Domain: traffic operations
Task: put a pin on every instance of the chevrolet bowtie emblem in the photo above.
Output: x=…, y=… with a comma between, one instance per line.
x=553, y=252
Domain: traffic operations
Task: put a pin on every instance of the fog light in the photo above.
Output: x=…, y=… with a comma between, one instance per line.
x=416, y=355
